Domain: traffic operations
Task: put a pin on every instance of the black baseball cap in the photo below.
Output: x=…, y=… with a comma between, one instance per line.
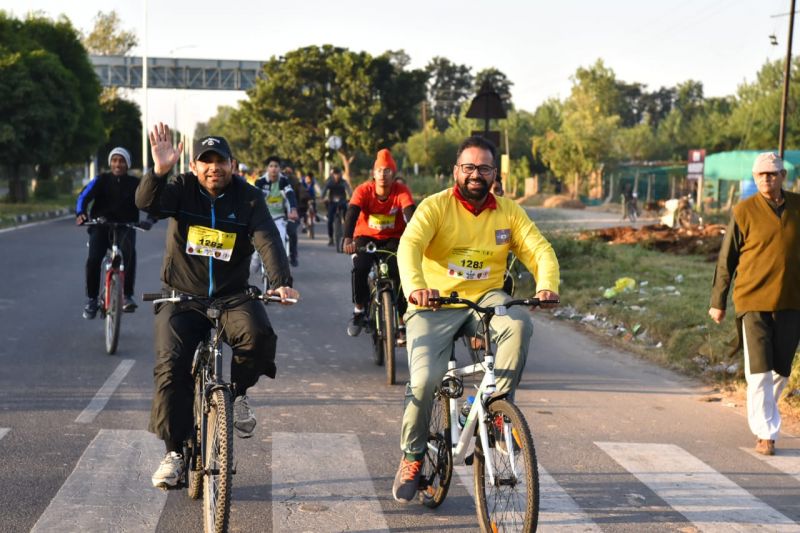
x=212, y=143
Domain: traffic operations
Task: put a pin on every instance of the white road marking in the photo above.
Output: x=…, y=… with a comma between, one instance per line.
x=104, y=394
x=558, y=512
x=4, y=432
x=110, y=488
x=712, y=502
x=320, y=482
x=785, y=460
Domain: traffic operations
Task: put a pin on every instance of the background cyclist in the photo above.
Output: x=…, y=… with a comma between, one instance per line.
x=335, y=192
x=378, y=212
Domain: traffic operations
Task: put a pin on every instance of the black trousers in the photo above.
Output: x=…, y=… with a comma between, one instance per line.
x=179, y=328
x=362, y=263
x=99, y=243
x=772, y=339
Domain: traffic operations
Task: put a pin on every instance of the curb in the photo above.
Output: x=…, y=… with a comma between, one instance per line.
x=41, y=215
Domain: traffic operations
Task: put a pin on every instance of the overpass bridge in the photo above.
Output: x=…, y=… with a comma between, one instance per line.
x=175, y=73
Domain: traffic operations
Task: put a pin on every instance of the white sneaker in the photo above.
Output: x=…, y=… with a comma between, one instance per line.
x=243, y=419
x=169, y=472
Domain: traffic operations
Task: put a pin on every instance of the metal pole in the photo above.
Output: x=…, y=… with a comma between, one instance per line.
x=144, y=92
x=786, y=74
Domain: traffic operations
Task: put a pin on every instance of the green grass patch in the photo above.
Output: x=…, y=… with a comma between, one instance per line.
x=664, y=317
x=35, y=208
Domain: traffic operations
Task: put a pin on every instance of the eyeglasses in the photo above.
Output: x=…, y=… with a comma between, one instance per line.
x=483, y=170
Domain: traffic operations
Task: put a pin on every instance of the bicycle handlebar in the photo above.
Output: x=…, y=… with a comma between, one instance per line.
x=454, y=299
x=176, y=297
x=103, y=222
x=372, y=248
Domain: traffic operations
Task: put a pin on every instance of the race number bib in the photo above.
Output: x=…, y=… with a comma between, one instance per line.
x=468, y=264
x=210, y=243
x=381, y=222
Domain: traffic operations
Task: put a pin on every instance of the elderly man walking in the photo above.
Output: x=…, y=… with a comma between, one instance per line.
x=762, y=249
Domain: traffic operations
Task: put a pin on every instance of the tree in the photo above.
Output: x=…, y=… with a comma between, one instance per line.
x=106, y=38
x=500, y=83
x=53, y=113
x=449, y=86
x=314, y=92
x=122, y=120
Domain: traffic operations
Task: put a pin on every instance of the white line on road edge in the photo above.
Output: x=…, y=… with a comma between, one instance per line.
x=56, y=219
x=558, y=512
x=101, y=398
x=320, y=482
x=110, y=488
x=785, y=460
x=4, y=432
x=712, y=502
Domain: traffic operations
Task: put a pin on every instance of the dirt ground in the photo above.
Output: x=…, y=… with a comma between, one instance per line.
x=695, y=240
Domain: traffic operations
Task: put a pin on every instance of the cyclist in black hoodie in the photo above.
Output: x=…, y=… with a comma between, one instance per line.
x=216, y=219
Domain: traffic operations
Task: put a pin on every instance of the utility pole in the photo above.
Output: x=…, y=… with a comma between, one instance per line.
x=786, y=75
x=144, y=92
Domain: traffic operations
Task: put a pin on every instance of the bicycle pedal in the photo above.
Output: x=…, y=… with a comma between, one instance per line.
x=469, y=459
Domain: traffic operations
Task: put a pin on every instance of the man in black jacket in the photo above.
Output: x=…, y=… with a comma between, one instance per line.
x=110, y=195
x=215, y=221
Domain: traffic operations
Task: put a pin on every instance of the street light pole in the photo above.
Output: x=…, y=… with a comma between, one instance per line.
x=144, y=91
x=786, y=75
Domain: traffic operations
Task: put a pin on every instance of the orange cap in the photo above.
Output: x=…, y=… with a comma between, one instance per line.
x=385, y=160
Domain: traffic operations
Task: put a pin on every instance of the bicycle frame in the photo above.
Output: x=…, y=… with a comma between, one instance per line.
x=114, y=263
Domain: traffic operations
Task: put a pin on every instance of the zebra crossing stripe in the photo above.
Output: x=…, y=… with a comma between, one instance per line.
x=4, y=432
x=785, y=460
x=110, y=488
x=320, y=482
x=712, y=502
x=104, y=394
x=558, y=512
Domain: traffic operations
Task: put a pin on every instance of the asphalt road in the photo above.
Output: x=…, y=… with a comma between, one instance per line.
x=623, y=446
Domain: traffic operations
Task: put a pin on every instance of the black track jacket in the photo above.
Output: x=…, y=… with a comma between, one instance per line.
x=239, y=210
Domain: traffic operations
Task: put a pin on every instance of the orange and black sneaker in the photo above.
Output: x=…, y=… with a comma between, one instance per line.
x=406, y=481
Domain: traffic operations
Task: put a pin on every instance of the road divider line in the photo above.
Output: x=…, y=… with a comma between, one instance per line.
x=710, y=501
x=320, y=482
x=104, y=394
x=110, y=488
x=4, y=432
x=785, y=460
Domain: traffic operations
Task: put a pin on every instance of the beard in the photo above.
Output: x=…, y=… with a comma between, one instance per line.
x=475, y=194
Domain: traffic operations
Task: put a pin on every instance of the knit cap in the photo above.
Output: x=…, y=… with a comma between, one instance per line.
x=119, y=150
x=767, y=162
x=385, y=160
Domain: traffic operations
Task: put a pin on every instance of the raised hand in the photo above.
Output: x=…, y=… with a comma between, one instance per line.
x=164, y=154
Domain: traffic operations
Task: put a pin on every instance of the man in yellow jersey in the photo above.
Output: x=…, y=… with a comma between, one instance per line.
x=458, y=240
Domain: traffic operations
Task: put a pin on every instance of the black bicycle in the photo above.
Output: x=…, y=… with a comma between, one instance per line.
x=110, y=299
x=382, y=310
x=338, y=223
x=506, y=476
x=209, y=450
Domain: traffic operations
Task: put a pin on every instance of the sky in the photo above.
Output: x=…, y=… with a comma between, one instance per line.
x=537, y=44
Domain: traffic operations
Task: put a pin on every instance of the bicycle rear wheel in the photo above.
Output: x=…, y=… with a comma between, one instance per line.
x=113, y=312
x=388, y=334
x=512, y=502
x=194, y=458
x=437, y=467
x=375, y=332
x=218, y=463
x=310, y=223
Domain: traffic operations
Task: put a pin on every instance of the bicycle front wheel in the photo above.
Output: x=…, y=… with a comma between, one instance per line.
x=310, y=224
x=437, y=467
x=388, y=329
x=375, y=332
x=218, y=463
x=338, y=232
x=193, y=456
x=113, y=312
x=511, y=503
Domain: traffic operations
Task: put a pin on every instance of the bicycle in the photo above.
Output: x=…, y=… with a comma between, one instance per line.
x=506, y=484
x=308, y=220
x=209, y=450
x=338, y=223
x=111, y=290
x=382, y=311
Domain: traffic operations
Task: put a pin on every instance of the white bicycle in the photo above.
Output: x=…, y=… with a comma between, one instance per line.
x=506, y=483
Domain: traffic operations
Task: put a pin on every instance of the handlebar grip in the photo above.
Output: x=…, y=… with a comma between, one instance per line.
x=151, y=296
